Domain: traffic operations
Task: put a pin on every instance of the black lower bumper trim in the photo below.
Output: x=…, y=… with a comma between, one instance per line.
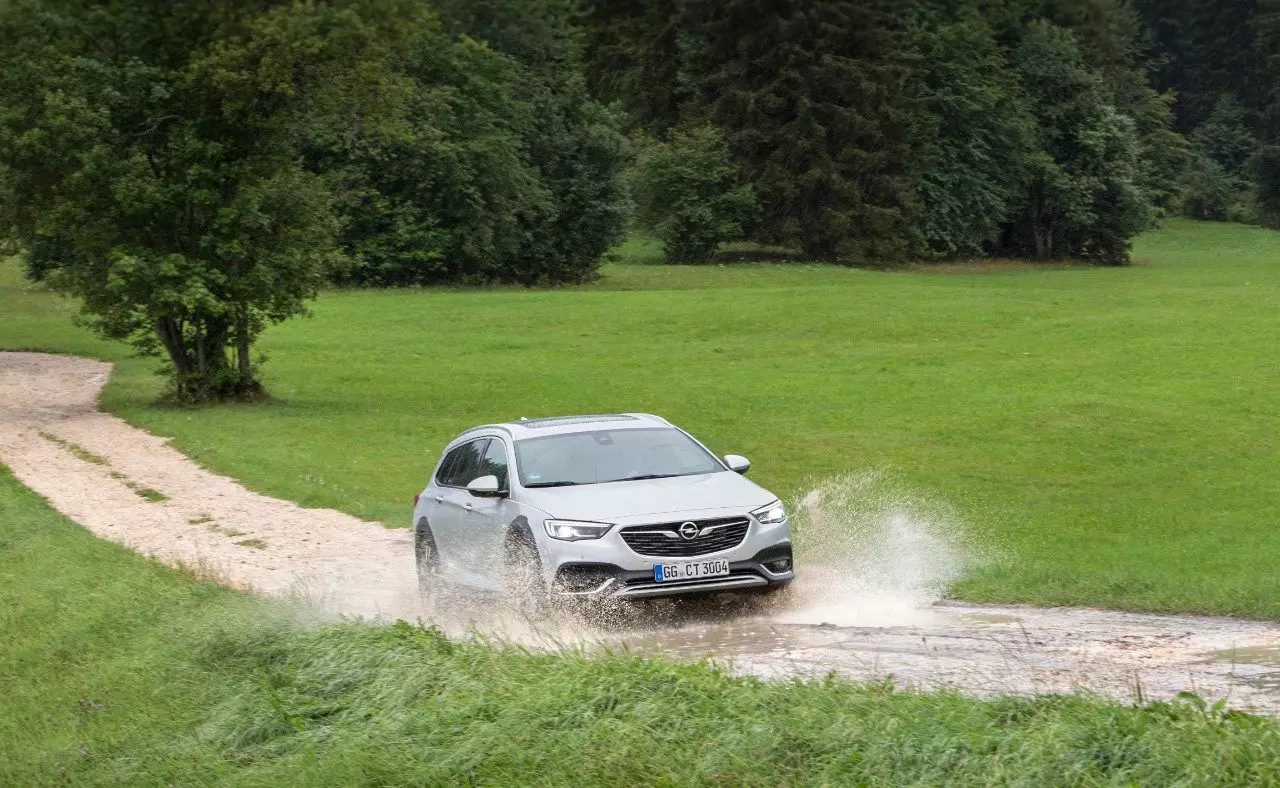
x=608, y=580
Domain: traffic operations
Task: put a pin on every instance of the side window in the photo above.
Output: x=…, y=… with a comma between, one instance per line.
x=446, y=468
x=494, y=462
x=461, y=465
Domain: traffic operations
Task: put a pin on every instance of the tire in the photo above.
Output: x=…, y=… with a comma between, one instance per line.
x=522, y=576
x=427, y=557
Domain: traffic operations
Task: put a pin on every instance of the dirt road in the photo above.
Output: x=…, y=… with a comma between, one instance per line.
x=127, y=485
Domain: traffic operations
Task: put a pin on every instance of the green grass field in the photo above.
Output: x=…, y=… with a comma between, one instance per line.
x=1110, y=433
x=115, y=670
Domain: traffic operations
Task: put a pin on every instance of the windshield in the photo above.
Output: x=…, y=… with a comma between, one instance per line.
x=610, y=456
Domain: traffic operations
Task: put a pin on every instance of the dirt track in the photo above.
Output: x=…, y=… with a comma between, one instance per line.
x=105, y=474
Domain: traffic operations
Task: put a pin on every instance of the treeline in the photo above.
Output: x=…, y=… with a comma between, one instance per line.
x=194, y=171
x=874, y=130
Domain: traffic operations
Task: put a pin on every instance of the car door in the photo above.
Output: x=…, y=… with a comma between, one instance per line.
x=484, y=523
x=451, y=500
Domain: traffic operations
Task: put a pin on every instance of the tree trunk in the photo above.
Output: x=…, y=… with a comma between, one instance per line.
x=242, y=344
x=174, y=343
x=215, y=335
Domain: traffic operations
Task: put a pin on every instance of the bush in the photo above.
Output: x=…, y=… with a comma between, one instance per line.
x=687, y=191
x=1210, y=193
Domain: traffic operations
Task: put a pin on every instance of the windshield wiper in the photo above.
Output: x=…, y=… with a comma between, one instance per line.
x=561, y=483
x=644, y=476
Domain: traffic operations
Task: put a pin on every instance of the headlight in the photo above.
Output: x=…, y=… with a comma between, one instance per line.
x=773, y=513
x=574, y=530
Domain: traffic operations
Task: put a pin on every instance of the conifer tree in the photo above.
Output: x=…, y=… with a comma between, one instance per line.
x=812, y=97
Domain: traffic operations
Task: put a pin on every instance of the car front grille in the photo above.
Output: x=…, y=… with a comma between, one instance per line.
x=664, y=540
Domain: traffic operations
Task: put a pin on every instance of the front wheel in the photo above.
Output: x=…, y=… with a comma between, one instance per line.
x=523, y=577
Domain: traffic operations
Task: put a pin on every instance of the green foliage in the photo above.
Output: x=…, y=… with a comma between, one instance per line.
x=687, y=191
x=872, y=131
x=981, y=144
x=155, y=176
x=573, y=143
x=437, y=187
x=1267, y=172
x=1085, y=197
x=810, y=98
x=1218, y=183
x=634, y=58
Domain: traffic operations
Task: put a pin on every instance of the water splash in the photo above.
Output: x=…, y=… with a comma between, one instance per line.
x=873, y=551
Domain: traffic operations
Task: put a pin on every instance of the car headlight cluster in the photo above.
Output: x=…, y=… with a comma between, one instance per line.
x=575, y=530
x=771, y=514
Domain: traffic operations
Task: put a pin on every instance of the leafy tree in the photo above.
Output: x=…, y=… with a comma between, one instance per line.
x=687, y=190
x=1085, y=197
x=150, y=163
x=979, y=142
x=573, y=142
x=1267, y=172
x=1208, y=50
x=1266, y=164
x=1218, y=181
x=433, y=177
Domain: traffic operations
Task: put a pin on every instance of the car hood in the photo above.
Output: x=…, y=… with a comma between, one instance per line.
x=619, y=502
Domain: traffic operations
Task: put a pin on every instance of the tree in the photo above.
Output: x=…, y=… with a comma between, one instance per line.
x=813, y=98
x=978, y=143
x=1266, y=163
x=433, y=177
x=1085, y=196
x=634, y=57
x=687, y=190
x=1219, y=184
x=1267, y=172
x=573, y=142
x=150, y=161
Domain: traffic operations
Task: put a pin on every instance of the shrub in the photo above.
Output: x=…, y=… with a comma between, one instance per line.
x=687, y=191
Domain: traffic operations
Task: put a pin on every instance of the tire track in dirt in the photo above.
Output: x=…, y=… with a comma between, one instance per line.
x=91, y=466
x=129, y=486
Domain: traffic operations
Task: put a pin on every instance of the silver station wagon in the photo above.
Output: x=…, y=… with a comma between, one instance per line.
x=622, y=506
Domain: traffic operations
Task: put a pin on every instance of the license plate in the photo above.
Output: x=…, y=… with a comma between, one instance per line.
x=665, y=573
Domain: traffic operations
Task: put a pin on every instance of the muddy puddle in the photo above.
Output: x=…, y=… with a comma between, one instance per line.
x=874, y=562
x=979, y=650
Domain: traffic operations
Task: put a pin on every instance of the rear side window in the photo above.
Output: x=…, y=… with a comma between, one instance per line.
x=462, y=464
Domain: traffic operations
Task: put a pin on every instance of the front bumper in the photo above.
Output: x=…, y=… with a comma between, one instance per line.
x=594, y=580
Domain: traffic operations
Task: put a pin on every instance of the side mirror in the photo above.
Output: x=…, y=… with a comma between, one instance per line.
x=737, y=463
x=485, y=487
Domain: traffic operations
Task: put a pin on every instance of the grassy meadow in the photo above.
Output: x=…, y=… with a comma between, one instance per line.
x=115, y=670
x=1108, y=432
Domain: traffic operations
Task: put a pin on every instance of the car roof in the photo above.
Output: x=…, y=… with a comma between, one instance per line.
x=560, y=425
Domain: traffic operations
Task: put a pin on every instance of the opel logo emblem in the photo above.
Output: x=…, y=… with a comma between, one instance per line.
x=689, y=530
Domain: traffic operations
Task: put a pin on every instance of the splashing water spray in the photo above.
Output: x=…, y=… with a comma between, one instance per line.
x=872, y=551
